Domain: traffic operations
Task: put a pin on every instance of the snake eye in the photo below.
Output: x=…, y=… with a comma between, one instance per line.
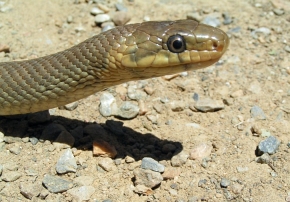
x=176, y=43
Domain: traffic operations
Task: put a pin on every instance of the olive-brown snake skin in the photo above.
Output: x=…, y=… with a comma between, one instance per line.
x=130, y=52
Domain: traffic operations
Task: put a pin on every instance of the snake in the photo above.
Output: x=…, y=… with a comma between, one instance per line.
x=124, y=53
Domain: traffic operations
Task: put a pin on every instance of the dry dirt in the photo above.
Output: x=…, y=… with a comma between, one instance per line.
x=254, y=71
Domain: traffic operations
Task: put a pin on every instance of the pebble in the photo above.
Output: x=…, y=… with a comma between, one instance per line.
x=141, y=189
x=200, y=151
x=136, y=94
x=84, y=180
x=152, y=118
x=103, y=7
x=227, y=19
x=194, y=16
x=258, y=113
x=66, y=163
x=264, y=159
x=73, y=105
x=56, y=184
x=100, y=18
x=107, y=26
x=237, y=188
x=129, y=159
x=29, y=190
x=104, y=149
x=270, y=145
x=225, y=183
x=287, y=49
x=171, y=173
x=151, y=164
x=33, y=140
x=265, y=133
x=107, y=164
x=4, y=48
x=128, y=110
x=82, y=193
x=121, y=7
x=96, y=11
x=12, y=166
x=64, y=140
x=147, y=178
x=212, y=21
x=209, y=105
x=278, y=11
x=179, y=159
x=108, y=105
x=177, y=106
x=242, y=169
x=121, y=18
x=15, y=149
x=158, y=107
x=10, y=176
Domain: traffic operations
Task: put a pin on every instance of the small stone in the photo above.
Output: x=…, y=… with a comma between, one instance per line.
x=142, y=107
x=66, y=163
x=129, y=159
x=107, y=26
x=84, y=180
x=103, y=7
x=151, y=164
x=209, y=105
x=121, y=7
x=152, y=118
x=270, y=145
x=104, y=149
x=15, y=149
x=212, y=21
x=82, y=193
x=128, y=110
x=73, y=105
x=264, y=159
x=287, y=49
x=64, y=140
x=96, y=11
x=179, y=159
x=136, y=94
x=141, y=189
x=43, y=194
x=10, y=176
x=258, y=113
x=29, y=190
x=108, y=106
x=171, y=173
x=158, y=107
x=200, y=151
x=177, y=106
x=237, y=188
x=149, y=90
x=265, y=133
x=69, y=19
x=12, y=166
x=225, y=183
x=121, y=18
x=107, y=164
x=56, y=184
x=4, y=48
x=241, y=169
x=33, y=140
x=194, y=16
x=100, y=18
x=278, y=11
x=147, y=178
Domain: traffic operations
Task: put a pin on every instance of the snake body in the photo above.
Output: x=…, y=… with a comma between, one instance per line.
x=130, y=52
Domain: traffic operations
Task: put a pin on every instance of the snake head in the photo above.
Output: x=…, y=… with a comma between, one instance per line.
x=159, y=48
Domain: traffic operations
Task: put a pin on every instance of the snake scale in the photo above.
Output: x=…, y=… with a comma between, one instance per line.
x=125, y=53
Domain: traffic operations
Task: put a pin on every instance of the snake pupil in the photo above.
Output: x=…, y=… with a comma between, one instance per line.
x=176, y=43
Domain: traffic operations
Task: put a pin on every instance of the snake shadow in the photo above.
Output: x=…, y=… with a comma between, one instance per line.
x=81, y=135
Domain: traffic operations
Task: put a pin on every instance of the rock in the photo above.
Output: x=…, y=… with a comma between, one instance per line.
x=4, y=48
x=107, y=26
x=104, y=149
x=66, y=163
x=171, y=173
x=64, y=140
x=84, y=180
x=149, y=90
x=129, y=159
x=179, y=159
x=82, y=193
x=15, y=149
x=29, y=190
x=33, y=140
x=278, y=11
x=73, y=105
x=200, y=151
x=177, y=106
x=152, y=118
x=237, y=188
x=141, y=189
x=264, y=159
x=151, y=164
x=147, y=178
x=43, y=194
x=100, y=18
x=136, y=94
x=56, y=184
x=108, y=106
x=96, y=11
x=227, y=19
x=121, y=18
x=128, y=110
x=12, y=166
x=212, y=21
x=10, y=176
x=257, y=113
x=270, y=145
x=242, y=169
x=38, y=117
x=121, y=7
x=194, y=16
x=209, y=105
x=225, y=183
x=107, y=164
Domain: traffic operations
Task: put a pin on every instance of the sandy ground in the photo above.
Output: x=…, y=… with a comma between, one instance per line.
x=254, y=72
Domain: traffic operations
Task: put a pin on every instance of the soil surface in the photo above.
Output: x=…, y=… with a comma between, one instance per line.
x=253, y=74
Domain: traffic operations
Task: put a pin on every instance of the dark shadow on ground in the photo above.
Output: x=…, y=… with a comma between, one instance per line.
x=127, y=141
